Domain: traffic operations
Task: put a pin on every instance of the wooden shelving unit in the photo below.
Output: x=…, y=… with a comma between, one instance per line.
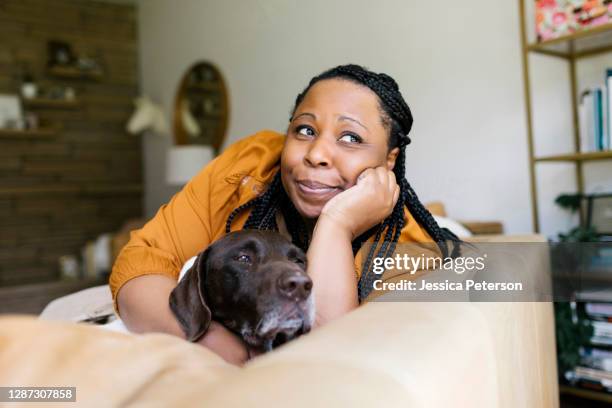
x=47, y=103
x=576, y=45
x=577, y=157
x=60, y=189
x=42, y=132
x=568, y=48
x=584, y=393
x=71, y=189
x=68, y=72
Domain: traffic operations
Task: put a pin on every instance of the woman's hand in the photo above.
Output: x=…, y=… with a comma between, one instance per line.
x=143, y=304
x=225, y=343
x=367, y=203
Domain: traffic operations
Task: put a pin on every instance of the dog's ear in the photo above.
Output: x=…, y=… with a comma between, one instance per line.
x=188, y=303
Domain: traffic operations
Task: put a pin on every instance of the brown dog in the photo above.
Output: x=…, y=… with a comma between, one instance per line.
x=254, y=283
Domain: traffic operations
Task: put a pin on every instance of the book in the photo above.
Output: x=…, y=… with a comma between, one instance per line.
x=598, y=117
x=586, y=113
x=595, y=117
x=586, y=372
x=601, y=328
x=595, y=295
x=608, y=135
x=598, y=309
x=588, y=378
x=602, y=340
x=596, y=358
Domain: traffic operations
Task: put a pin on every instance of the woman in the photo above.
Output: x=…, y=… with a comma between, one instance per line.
x=334, y=181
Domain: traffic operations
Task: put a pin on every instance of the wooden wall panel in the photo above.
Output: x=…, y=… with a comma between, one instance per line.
x=56, y=193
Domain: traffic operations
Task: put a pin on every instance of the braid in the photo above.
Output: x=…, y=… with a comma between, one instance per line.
x=418, y=210
x=295, y=223
x=233, y=214
x=263, y=214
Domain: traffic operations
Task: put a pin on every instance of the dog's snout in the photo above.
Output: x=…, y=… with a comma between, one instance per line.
x=294, y=285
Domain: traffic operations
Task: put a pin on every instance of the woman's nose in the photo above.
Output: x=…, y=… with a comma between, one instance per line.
x=319, y=153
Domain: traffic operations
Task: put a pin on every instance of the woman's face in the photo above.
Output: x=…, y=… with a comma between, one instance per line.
x=334, y=135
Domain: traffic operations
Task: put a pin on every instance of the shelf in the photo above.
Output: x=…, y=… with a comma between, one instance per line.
x=584, y=393
x=50, y=103
x=577, y=157
x=68, y=72
x=586, y=277
x=204, y=87
x=43, y=132
x=72, y=189
x=102, y=189
x=582, y=43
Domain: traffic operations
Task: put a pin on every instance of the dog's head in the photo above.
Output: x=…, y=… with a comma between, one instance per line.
x=254, y=283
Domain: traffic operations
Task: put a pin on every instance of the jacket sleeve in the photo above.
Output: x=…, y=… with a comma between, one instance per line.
x=195, y=216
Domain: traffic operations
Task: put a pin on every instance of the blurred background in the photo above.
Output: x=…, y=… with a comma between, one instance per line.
x=108, y=107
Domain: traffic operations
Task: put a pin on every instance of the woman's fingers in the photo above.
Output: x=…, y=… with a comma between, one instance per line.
x=225, y=343
x=367, y=203
x=383, y=177
x=367, y=172
x=382, y=174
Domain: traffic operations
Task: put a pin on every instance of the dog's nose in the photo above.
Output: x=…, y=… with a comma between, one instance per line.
x=293, y=285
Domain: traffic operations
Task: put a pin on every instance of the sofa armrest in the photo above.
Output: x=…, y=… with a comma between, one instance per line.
x=416, y=354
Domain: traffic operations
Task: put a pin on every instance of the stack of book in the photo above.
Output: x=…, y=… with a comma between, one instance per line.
x=595, y=368
x=595, y=115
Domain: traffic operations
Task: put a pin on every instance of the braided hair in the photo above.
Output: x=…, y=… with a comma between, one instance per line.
x=397, y=119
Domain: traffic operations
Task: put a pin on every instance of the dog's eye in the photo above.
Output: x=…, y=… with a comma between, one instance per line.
x=243, y=258
x=299, y=261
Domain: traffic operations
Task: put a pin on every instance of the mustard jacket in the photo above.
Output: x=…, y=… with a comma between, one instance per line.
x=196, y=216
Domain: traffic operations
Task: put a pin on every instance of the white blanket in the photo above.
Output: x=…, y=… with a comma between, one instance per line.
x=91, y=303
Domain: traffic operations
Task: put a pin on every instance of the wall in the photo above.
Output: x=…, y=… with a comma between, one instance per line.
x=59, y=191
x=458, y=65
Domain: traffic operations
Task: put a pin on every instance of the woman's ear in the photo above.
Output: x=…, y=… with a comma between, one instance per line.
x=391, y=157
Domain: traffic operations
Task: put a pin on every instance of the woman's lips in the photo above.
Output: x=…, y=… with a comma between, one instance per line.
x=314, y=189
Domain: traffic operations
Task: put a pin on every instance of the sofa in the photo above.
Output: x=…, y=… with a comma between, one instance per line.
x=421, y=354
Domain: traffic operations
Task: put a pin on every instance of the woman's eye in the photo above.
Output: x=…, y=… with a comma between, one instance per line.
x=243, y=258
x=350, y=138
x=305, y=131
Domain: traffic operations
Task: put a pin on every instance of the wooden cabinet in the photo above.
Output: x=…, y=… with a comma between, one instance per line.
x=80, y=173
